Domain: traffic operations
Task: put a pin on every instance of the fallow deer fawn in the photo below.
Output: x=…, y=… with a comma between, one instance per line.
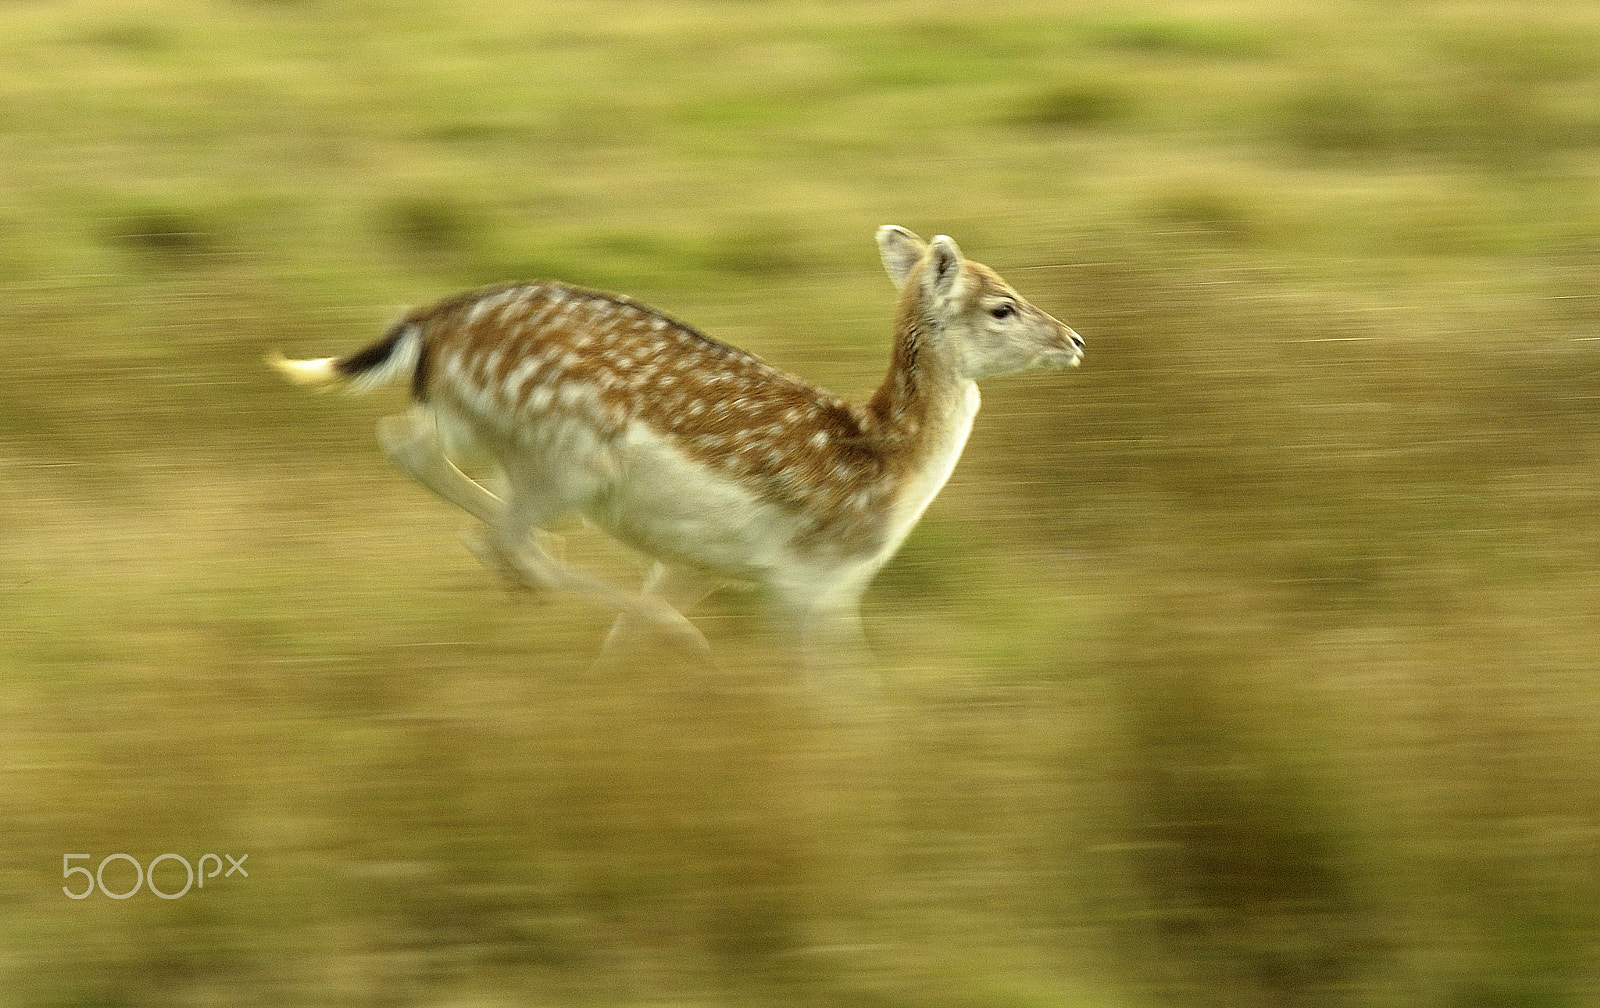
x=700, y=455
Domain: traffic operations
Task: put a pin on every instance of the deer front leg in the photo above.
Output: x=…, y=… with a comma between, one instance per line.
x=825, y=625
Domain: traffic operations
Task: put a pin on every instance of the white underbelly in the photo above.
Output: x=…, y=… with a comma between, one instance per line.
x=672, y=506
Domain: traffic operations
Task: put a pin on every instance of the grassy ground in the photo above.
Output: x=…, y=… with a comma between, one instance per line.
x=1253, y=664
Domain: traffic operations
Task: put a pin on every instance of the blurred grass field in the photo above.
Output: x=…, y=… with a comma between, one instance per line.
x=1253, y=664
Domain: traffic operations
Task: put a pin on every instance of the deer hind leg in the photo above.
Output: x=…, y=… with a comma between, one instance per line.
x=413, y=442
x=514, y=543
x=679, y=589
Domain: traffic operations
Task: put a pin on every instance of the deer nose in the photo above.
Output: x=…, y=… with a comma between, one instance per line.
x=1075, y=355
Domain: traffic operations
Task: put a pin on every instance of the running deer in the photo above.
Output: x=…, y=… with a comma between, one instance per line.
x=701, y=456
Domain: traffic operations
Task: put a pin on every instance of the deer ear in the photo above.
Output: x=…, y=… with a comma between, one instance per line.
x=901, y=250
x=944, y=268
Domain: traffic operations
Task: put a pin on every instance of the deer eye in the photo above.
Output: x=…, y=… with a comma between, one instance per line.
x=1002, y=311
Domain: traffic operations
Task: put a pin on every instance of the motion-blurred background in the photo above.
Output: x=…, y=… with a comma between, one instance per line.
x=1252, y=664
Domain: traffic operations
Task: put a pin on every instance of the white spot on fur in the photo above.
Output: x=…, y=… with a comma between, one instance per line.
x=519, y=376
x=572, y=394
x=538, y=317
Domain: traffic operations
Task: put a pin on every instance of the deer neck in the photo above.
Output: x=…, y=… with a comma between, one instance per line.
x=923, y=411
x=923, y=393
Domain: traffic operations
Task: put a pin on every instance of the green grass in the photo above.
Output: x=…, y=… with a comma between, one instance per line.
x=1252, y=664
